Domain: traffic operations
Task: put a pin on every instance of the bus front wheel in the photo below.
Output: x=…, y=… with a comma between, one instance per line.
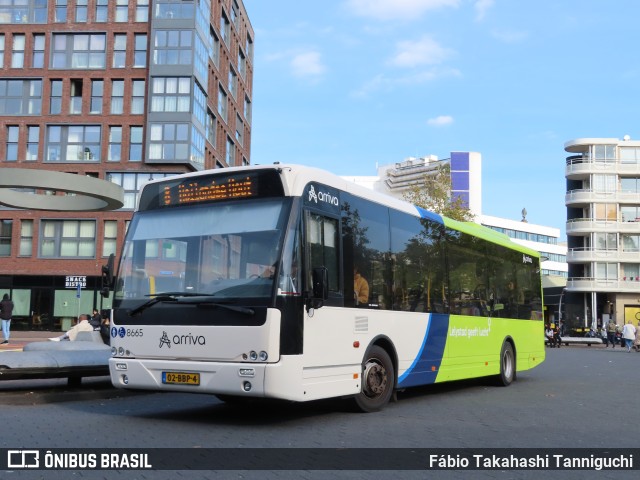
x=378, y=380
x=507, y=365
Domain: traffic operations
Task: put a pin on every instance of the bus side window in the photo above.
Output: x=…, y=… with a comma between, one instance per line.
x=322, y=247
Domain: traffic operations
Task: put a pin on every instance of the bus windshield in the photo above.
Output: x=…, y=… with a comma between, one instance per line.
x=226, y=250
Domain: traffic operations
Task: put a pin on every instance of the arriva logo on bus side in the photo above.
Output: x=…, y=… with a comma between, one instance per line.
x=527, y=259
x=188, y=339
x=322, y=197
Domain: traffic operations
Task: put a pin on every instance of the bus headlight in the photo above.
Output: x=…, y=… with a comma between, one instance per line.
x=253, y=356
x=263, y=356
x=121, y=351
x=114, y=351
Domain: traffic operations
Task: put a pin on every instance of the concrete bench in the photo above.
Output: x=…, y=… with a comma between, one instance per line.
x=87, y=356
x=581, y=340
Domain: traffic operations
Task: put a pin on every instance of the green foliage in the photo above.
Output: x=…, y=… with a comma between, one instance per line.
x=434, y=194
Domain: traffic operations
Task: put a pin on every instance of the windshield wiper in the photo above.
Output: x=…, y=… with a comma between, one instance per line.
x=189, y=298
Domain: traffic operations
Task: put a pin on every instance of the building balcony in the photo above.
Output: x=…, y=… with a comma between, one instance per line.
x=589, y=284
x=588, y=255
x=585, y=226
x=579, y=167
x=587, y=196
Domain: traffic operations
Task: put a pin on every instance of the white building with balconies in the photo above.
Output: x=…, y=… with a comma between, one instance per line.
x=603, y=229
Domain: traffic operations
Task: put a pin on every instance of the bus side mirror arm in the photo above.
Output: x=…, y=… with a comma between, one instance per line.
x=320, y=292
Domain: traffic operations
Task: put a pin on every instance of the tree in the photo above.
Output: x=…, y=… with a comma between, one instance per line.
x=434, y=194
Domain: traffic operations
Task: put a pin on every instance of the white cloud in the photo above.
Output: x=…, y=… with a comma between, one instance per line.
x=440, y=121
x=307, y=64
x=482, y=6
x=396, y=9
x=425, y=51
x=382, y=82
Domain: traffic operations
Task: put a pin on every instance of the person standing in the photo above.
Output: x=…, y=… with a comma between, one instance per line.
x=96, y=319
x=629, y=334
x=611, y=333
x=6, y=311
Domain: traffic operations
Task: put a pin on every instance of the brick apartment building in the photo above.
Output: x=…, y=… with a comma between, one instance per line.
x=121, y=90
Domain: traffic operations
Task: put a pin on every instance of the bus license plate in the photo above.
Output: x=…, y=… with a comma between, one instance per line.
x=181, y=378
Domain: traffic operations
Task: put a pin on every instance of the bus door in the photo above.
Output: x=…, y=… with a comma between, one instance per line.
x=323, y=327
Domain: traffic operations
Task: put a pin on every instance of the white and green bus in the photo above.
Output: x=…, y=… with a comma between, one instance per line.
x=241, y=282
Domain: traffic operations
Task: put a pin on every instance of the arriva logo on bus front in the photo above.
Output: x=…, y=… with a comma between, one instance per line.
x=188, y=339
x=322, y=197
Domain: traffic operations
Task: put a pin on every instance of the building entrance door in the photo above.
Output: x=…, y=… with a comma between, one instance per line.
x=42, y=308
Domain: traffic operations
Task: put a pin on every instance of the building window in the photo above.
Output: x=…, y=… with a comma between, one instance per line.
x=137, y=97
x=68, y=239
x=173, y=47
x=171, y=94
x=242, y=64
x=225, y=28
x=602, y=153
x=239, y=130
x=17, y=56
x=20, y=97
x=631, y=272
x=81, y=11
x=631, y=243
x=214, y=47
x=73, y=143
x=630, y=185
x=140, y=52
x=630, y=213
x=169, y=141
x=132, y=182
x=110, y=237
x=61, y=11
x=135, y=144
x=235, y=14
x=142, y=10
x=1, y=50
x=6, y=226
x=102, y=11
x=55, y=105
x=629, y=155
x=233, y=83
x=75, y=103
x=119, y=50
x=211, y=128
x=249, y=47
x=115, y=144
x=606, y=241
x=13, y=133
x=97, y=92
x=23, y=11
x=606, y=271
x=79, y=51
x=122, y=11
x=200, y=104
x=230, y=154
x=37, y=60
x=117, y=97
x=247, y=109
x=33, y=142
x=26, y=238
x=604, y=183
x=222, y=103
x=174, y=10
x=197, y=147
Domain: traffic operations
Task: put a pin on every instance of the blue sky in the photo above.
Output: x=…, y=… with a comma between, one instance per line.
x=348, y=84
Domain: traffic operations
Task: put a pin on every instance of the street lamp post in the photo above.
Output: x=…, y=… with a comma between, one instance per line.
x=560, y=306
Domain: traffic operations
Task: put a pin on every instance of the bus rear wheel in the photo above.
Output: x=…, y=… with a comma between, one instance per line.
x=507, y=365
x=378, y=380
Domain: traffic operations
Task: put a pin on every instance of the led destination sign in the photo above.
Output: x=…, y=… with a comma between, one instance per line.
x=197, y=190
x=211, y=188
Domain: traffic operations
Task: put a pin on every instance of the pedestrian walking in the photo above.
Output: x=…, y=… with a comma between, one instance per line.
x=636, y=342
x=6, y=311
x=629, y=334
